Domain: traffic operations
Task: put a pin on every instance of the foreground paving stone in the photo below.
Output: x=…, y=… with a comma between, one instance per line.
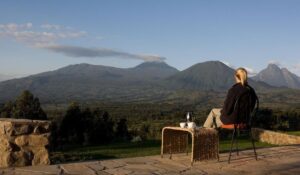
x=78, y=168
x=271, y=161
x=33, y=170
x=95, y=166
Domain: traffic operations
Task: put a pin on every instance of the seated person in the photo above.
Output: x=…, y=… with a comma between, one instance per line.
x=226, y=115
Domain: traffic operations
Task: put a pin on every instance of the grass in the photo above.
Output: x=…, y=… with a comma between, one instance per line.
x=297, y=133
x=243, y=144
x=113, y=150
x=128, y=149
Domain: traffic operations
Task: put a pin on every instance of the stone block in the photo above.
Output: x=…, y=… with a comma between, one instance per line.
x=6, y=128
x=5, y=159
x=22, y=129
x=32, y=140
x=21, y=158
x=41, y=129
x=41, y=157
x=5, y=144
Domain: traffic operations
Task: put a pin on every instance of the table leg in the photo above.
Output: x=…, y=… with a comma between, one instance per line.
x=187, y=143
x=218, y=148
x=193, y=149
x=170, y=149
x=162, y=144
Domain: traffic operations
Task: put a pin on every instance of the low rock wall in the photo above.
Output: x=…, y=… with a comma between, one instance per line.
x=276, y=138
x=24, y=142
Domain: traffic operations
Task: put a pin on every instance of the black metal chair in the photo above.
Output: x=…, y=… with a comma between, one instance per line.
x=245, y=113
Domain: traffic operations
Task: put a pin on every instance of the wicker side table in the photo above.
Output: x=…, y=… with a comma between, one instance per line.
x=205, y=142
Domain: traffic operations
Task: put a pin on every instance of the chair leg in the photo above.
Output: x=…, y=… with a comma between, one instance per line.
x=236, y=142
x=232, y=140
x=253, y=145
x=217, y=146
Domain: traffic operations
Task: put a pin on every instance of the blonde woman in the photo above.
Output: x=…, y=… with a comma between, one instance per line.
x=226, y=115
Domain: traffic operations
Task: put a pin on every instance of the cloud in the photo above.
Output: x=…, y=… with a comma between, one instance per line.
x=76, y=51
x=228, y=64
x=36, y=37
x=250, y=71
x=275, y=62
x=14, y=27
x=48, y=36
x=296, y=66
x=51, y=26
x=296, y=69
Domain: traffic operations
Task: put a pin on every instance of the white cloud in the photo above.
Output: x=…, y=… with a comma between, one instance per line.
x=296, y=66
x=228, y=64
x=279, y=64
x=36, y=37
x=99, y=38
x=14, y=27
x=51, y=26
x=250, y=71
x=48, y=36
x=296, y=69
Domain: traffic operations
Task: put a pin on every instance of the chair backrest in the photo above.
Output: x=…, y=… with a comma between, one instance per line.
x=246, y=107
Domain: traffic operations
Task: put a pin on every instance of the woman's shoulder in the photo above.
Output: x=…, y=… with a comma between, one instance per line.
x=250, y=87
x=237, y=86
x=241, y=88
x=252, y=91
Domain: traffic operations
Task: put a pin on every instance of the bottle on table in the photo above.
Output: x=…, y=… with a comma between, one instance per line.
x=188, y=117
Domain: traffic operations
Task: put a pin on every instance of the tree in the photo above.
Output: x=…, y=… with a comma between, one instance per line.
x=87, y=123
x=265, y=119
x=71, y=125
x=122, y=129
x=102, y=129
x=7, y=110
x=86, y=127
x=26, y=106
x=144, y=131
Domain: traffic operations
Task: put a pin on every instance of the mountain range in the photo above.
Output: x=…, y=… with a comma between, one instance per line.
x=4, y=77
x=278, y=77
x=89, y=82
x=147, y=81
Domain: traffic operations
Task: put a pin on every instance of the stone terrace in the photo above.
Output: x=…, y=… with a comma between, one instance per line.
x=276, y=160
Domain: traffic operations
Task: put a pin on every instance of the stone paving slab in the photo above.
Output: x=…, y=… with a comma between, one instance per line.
x=271, y=161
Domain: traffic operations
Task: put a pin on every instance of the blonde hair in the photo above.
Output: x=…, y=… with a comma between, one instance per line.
x=242, y=75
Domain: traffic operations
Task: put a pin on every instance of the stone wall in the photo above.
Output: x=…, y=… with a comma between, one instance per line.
x=24, y=142
x=275, y=138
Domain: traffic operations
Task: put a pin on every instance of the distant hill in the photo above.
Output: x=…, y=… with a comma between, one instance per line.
x=85, y=81
x=152, y=81
x=211, y=75
x=154, y=70
x=278, y=77
x=4, y=77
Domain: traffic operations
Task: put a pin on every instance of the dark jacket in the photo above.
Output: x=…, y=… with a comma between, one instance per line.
x=228, y=115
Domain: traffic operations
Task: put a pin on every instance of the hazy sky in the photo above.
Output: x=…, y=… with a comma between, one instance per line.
x=37, y=36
